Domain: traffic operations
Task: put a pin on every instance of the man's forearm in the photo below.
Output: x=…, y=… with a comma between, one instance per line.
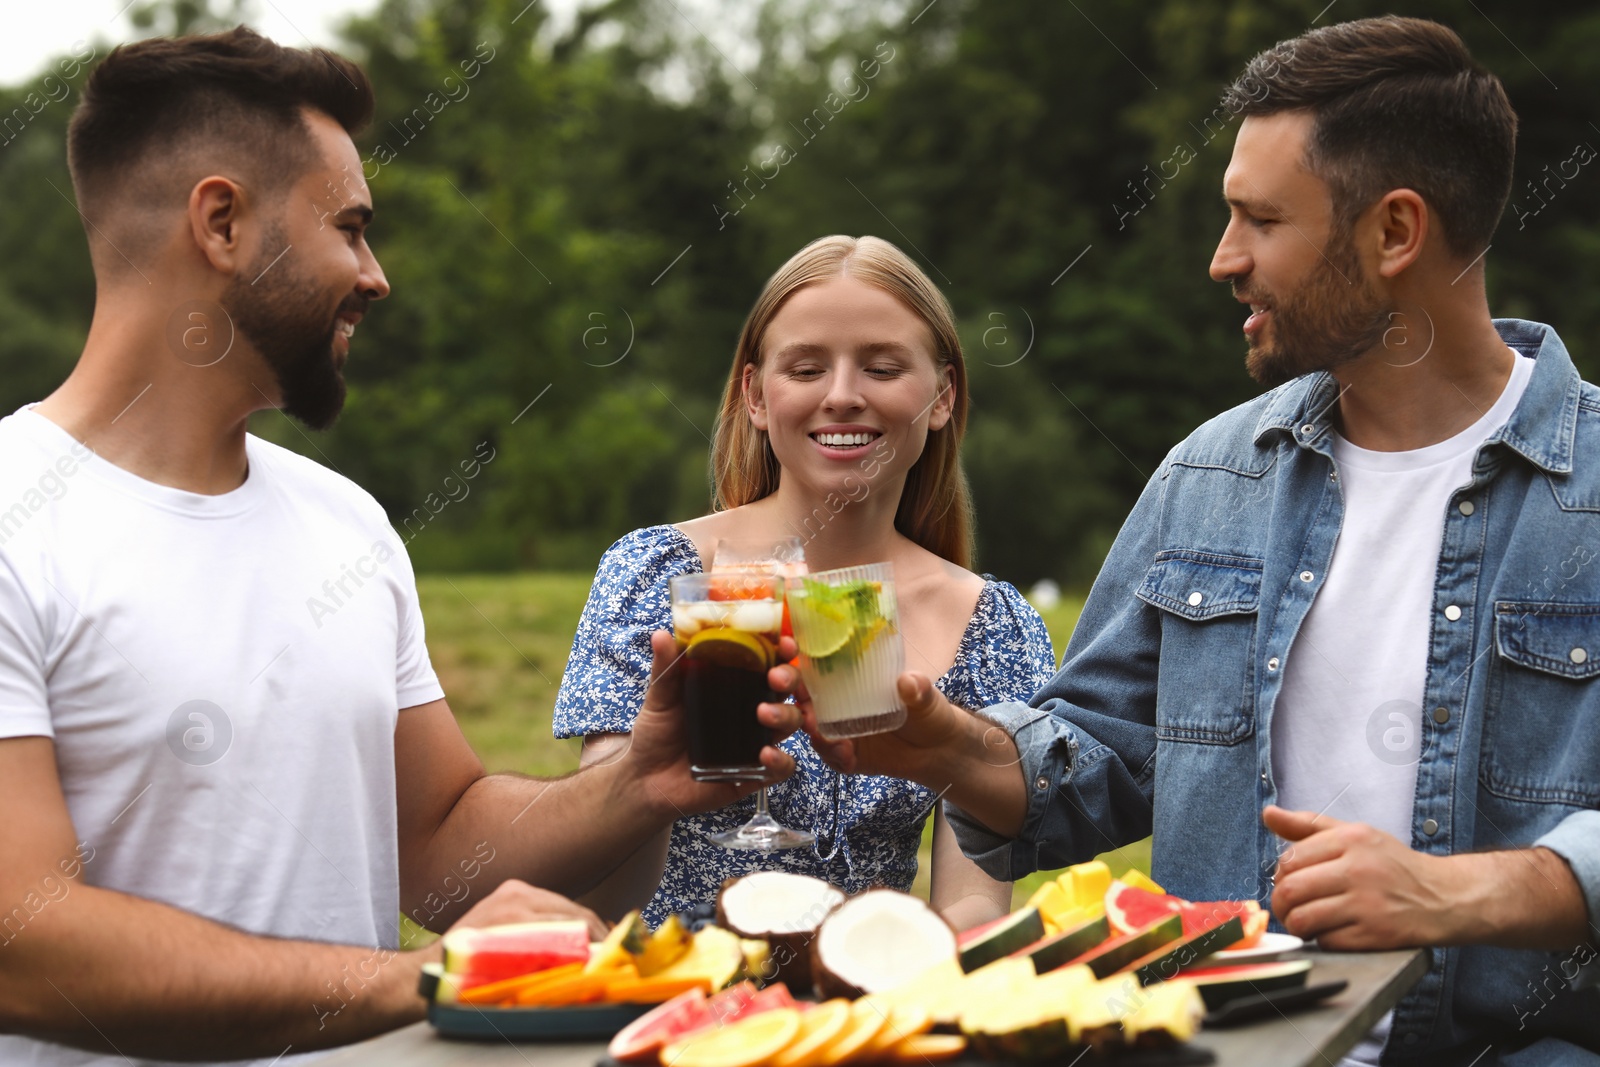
x=980, y=771
x=1523, y=898
x=105, y=971
x=564, y=834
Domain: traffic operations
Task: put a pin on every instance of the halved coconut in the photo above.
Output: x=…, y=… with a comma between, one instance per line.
x=878, y=940
x=784, y=910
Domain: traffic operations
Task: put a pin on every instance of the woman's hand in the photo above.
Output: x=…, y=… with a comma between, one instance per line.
x=972, y=763
x=657, y=749
x=934, y=731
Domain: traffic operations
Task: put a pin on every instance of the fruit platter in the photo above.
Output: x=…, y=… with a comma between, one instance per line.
x=791, y=972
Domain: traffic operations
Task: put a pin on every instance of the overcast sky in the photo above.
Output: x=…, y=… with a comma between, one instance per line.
x=38, y=30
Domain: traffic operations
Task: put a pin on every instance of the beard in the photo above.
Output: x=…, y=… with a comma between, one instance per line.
x=283, y=315
x=1336, y=317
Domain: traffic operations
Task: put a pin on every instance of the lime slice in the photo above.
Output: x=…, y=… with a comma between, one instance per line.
x=822, y=624
x=730, y=648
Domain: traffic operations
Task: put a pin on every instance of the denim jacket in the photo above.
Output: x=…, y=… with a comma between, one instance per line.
x=1160, y=717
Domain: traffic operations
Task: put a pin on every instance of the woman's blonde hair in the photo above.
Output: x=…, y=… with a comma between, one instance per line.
x=935, y=507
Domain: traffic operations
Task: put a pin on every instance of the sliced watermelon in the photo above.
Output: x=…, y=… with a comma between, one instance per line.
x=999, y=939
x=642, y=1039
x=1111, y=956
x=1132, y=908
x=1171, y=960
x=1218, y=985
x=491, y=953
x=1060, y=949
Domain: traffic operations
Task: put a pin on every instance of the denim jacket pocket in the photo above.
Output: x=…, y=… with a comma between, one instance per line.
x=1209, y=604
x=1542, y=726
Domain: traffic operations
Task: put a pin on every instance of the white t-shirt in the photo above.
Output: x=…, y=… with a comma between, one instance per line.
x=1347, y=729
x=222, y=677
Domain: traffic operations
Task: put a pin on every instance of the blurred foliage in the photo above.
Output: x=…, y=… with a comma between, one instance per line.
x=583, y=223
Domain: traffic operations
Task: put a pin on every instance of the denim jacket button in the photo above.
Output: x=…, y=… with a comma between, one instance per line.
x=1308, y=429
x=1194, y=599
x=1441, y=715
x=1466, y=507
x=1272, y=664
x=1306, y=576
x=1430, y=826
x=1578, y=655
x=1452, y=613
x=1041, y=782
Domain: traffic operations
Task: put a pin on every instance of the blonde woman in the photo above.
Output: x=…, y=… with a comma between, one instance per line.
x=841, y=424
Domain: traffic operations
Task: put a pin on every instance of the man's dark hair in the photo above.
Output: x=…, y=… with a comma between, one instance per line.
x=233, y=97
x=1397, y=103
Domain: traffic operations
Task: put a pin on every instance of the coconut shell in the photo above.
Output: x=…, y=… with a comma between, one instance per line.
x=829, y=984
x=789, y=958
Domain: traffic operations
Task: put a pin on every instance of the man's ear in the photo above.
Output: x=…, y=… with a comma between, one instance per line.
x=1402, y=222
x=755, y=403
x=216, y=207
x=944, y=404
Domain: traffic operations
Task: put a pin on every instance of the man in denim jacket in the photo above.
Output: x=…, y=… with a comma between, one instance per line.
x=1344, y=657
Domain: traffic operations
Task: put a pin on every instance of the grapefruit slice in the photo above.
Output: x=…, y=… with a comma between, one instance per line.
x=642, y=1039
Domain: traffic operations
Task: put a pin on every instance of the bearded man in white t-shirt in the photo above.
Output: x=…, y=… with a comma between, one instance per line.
x=226, y=763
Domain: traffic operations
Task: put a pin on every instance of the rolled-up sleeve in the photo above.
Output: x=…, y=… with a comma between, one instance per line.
x=1086, y=740
x=1576, y=839
x=1044, y=744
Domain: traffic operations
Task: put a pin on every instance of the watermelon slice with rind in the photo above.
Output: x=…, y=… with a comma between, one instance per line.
x=1130, y=908
x=1000, y=938
x=1218, y=985
x=488, y=954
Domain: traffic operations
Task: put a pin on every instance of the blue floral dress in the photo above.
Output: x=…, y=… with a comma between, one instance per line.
x=867, y=827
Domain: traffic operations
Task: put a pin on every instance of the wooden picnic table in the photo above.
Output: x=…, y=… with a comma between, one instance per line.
x=1314, y=1037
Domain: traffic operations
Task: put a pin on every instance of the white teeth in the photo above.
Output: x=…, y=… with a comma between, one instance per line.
x=1258, y=308
x=844, y=440
x=344, y=327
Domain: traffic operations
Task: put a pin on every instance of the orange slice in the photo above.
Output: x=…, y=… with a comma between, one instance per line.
x=745, y=1043
x=931, y=1048
x=819, y=1027
x=867, y=1018
x=506, y=990
x=727, y=647
x=906, y=1020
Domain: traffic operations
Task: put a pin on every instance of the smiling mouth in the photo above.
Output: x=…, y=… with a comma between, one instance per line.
x=844, y=440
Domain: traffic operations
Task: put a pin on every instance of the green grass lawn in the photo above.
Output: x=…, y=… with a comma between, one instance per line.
x=500, y=643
